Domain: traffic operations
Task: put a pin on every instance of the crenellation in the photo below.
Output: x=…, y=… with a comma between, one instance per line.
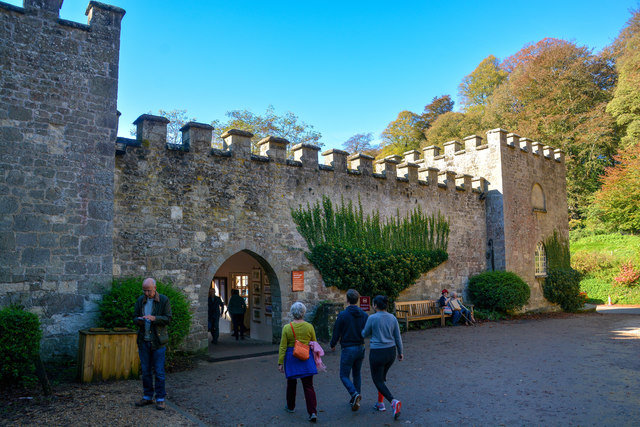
x=387, y=167
x=307, y=154
x=337, y=159
x=451, y=147
x=361, y=162
x=428, y=175
x=513, y=140
x=409, y=171
x=411, y=156
x=49, y=8
x=197, y=137
x=100, y=14
x=478, y=185
x=463, y=182
x=558, y=155
x=536, y=148
x=274, y=148
x=151, y=129
x=431, y=152
x=547, y=152
x=238, y=142
x=497, y=137
x=525, y=144
x=471, y=142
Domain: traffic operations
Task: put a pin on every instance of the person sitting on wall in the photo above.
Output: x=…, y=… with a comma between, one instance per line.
x=443, y=302
x=459, y=310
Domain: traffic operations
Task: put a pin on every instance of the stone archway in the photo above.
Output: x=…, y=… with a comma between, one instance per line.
x=247, y=267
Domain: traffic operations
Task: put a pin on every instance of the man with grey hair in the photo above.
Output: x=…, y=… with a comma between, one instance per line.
x=458, y=310
x=152, y=314
x=348, y=330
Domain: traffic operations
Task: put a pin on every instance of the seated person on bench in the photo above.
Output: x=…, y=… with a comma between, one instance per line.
x=459, y=310
x=444, y=301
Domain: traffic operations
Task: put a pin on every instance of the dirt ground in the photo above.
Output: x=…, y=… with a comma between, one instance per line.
x=578, y=370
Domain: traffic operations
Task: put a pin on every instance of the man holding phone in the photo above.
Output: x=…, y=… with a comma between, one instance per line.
x=152, y=314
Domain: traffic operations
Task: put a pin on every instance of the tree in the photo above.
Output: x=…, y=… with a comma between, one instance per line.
x=625, y=104
x=618, y=202
x=453, y=126
x=439, y=105
x=360, y=143
x=557, y=93
x=477, y=87
x=402, y=134
x=177, y=119
x=287, y=126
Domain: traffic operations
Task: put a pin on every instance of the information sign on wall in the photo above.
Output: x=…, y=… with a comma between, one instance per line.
x=365, y=303
x=297, y=281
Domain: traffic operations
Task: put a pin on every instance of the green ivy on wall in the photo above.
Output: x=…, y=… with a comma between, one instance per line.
x=369, y=254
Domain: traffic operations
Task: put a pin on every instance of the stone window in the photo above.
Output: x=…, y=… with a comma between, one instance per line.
x=541, y=260
x=538, y=200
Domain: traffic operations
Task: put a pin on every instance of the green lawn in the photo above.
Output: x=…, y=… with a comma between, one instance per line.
x=599, y=257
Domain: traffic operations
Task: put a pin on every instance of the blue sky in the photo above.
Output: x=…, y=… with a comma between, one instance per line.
x=345, y=67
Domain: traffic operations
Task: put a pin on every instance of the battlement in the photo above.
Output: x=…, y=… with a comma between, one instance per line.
x=197, y=138
x=99, y=15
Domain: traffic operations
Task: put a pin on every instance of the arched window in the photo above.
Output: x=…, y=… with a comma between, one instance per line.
x=541, y=260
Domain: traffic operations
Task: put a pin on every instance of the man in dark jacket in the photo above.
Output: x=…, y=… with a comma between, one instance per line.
x=348, y=330
x=152, y=314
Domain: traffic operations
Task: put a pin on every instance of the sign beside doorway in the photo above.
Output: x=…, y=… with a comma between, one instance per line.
x=297, y=281
x=365, y=303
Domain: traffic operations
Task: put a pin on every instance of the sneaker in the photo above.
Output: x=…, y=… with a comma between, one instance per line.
x=161, y=405
x=355, y=404
x=397, y=406
x=313, y=418
x=379, y=406
x=291, y=411
x=144, y=402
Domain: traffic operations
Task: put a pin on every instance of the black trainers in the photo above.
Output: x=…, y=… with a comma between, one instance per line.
x=355, y=404
x=313, y=418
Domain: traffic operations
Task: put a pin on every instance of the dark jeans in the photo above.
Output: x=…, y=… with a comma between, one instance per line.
x=455, y=316
x=152, y=361
x=380, y=360
x=215, y=329
x=238, y=324
x=309, y=394
x=350, y=363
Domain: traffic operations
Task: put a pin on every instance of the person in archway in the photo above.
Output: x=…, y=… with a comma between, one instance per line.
x=236, y=308
x=384, y=331
x=294, y=368
x=216, y=308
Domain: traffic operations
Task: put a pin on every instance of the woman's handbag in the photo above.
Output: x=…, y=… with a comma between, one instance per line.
x=300, y=351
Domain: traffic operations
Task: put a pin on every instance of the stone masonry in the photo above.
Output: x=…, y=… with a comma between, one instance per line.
x=74, y=215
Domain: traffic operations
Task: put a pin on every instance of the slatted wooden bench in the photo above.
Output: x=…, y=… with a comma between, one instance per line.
x=411, y=311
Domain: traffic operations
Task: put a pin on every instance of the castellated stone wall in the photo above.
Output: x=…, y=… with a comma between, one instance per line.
x=58, y=120
x=180, y=214
x=526, y=197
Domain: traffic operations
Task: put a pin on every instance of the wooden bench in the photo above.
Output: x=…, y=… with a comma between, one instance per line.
x=411, y=311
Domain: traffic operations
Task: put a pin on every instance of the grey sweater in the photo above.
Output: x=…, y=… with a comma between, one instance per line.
x=384, y=331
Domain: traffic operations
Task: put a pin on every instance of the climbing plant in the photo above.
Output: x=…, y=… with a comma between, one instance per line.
x=562, y=284
x=368, y=253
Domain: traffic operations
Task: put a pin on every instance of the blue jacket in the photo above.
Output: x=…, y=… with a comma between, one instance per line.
x=348, y=327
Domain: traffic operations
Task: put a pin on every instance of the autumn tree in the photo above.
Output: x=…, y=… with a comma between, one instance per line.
x=557, y=93
x=625, y=104
x=402, y=134
x=287, y=125
x=477, y=87
x=454, y=126
x=618, y=202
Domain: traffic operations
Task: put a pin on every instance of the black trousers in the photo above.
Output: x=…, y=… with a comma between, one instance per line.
x=380, y=360
x=238, y=324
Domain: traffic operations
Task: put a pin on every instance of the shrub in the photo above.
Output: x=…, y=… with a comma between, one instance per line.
x=117, y=305
x=628, y=275
x=20, y=336
x=501, y=291
x=587, y=262
x=562, y=286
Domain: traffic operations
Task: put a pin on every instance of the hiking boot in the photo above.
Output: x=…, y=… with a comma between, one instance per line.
x=161, y=405
x=355, y=404
x=397, y=406
x=313, y=418
x=144, y=402
x=379, y=406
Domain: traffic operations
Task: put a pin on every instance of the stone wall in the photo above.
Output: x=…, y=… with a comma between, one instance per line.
x=58, y=89
x=181, y=214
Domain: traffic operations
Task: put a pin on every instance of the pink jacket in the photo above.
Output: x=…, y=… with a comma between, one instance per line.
x=318, y=352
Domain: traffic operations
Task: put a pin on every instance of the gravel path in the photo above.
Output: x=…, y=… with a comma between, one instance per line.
x=574, y=370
